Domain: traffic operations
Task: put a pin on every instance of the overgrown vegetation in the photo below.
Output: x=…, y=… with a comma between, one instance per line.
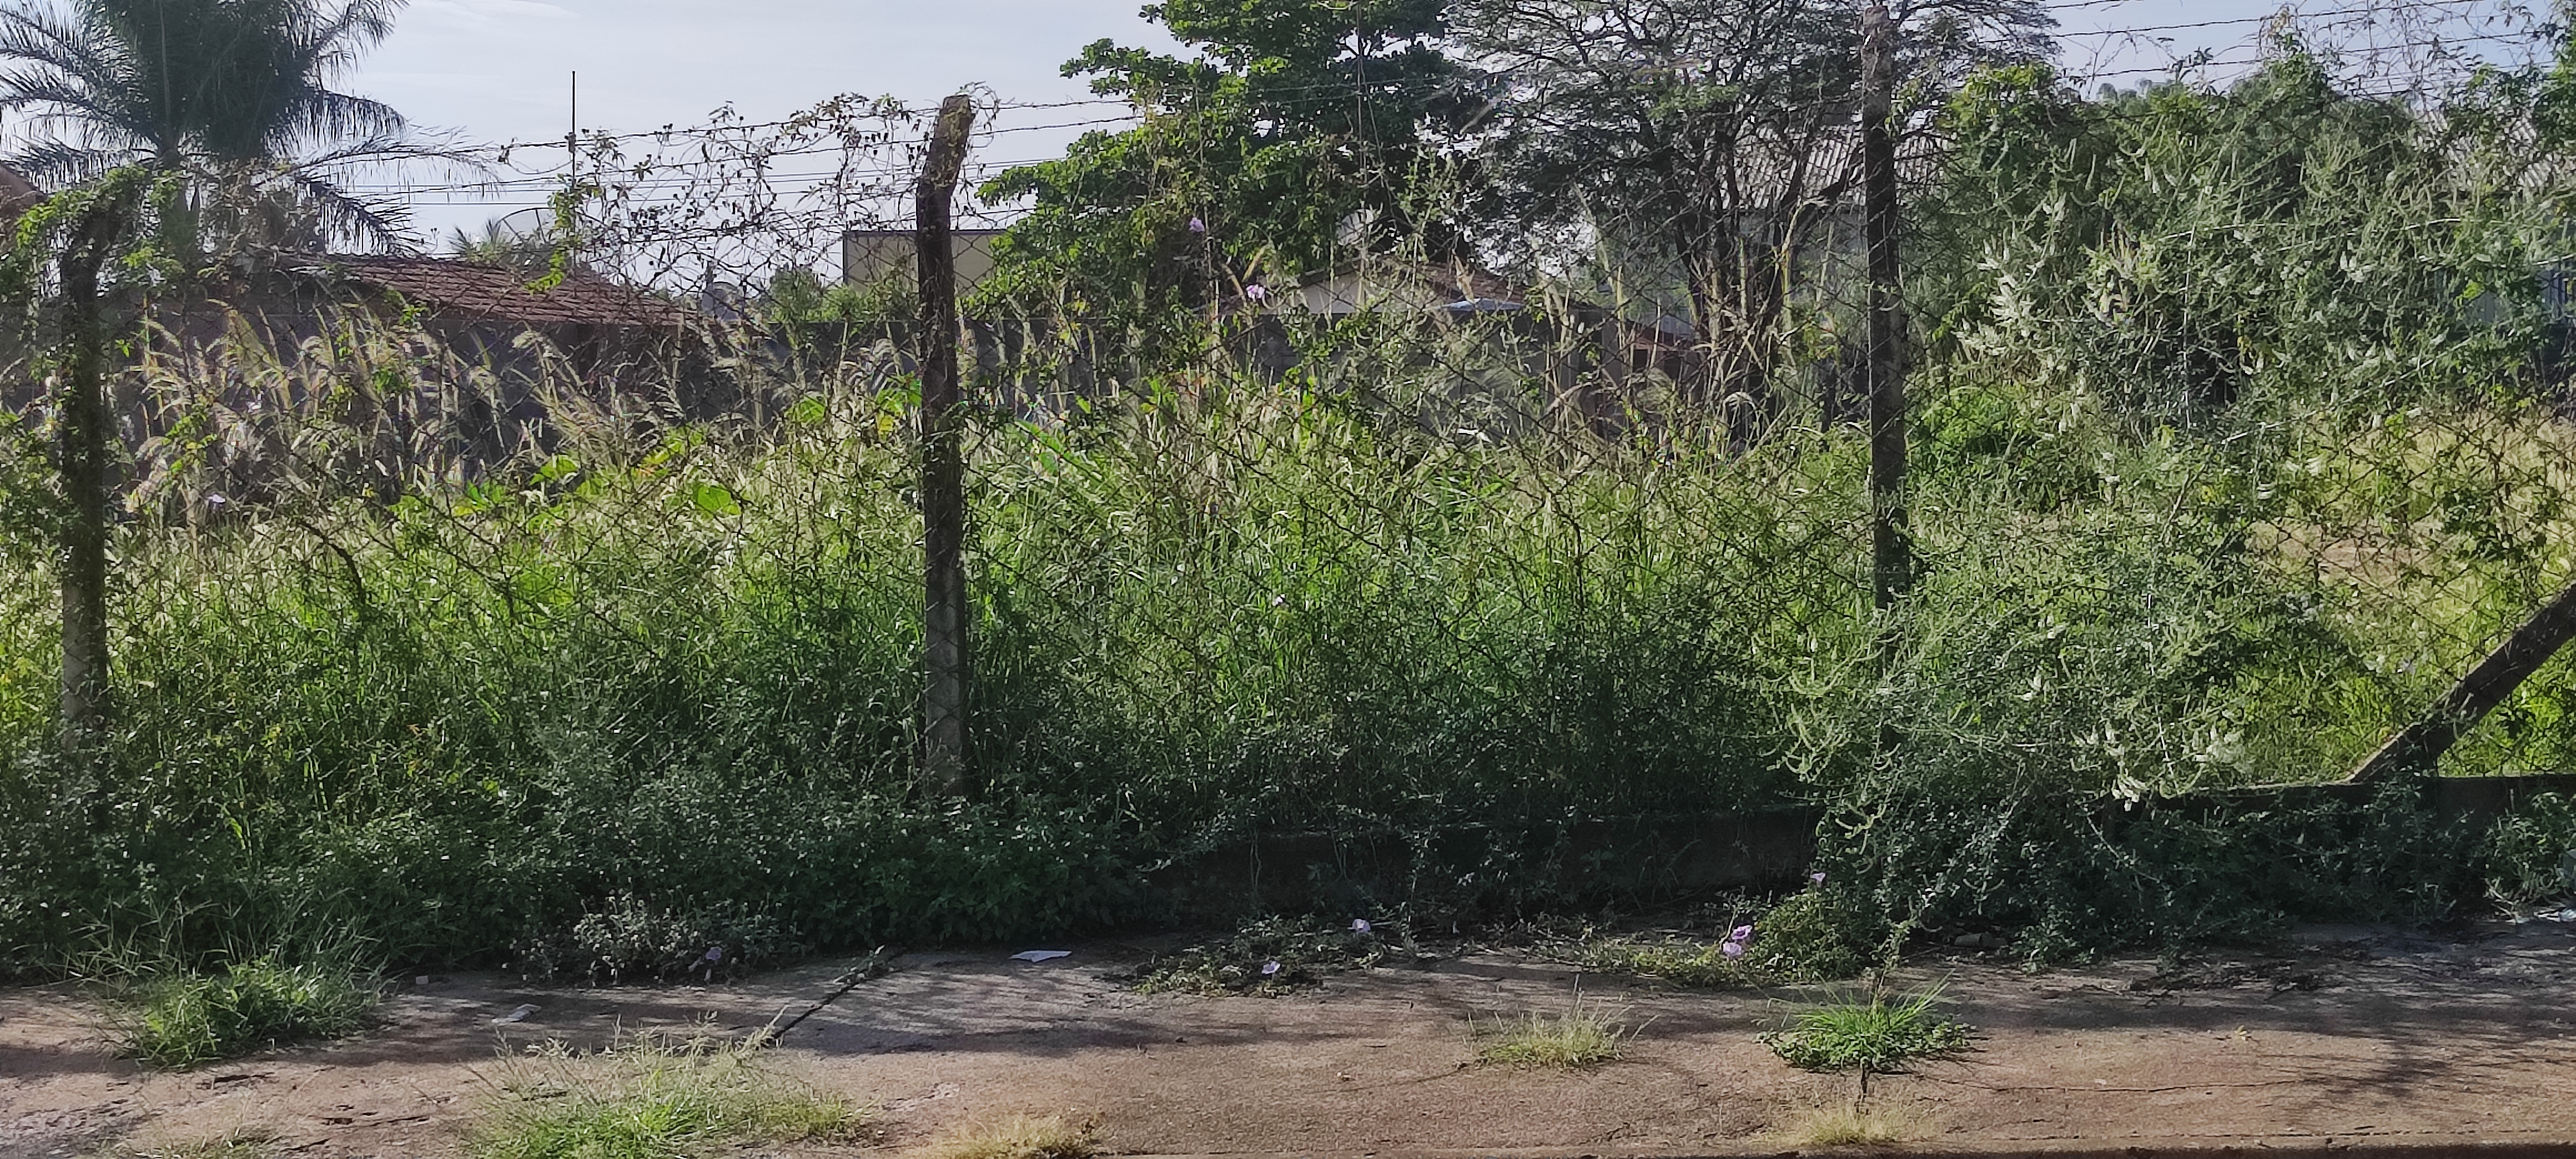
x=652, y=1097
x=2240, y=427
x=629, y=941
x=181, y=1020
x=1870, y=1033
x=2531, y=851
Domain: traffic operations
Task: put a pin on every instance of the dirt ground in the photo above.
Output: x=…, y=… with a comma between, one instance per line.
x=2349, y=1037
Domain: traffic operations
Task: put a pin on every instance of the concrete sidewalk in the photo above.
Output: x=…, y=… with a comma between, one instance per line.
x=2355, y=1042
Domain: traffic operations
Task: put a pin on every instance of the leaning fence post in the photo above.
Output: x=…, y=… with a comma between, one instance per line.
x=1891, y=547
x=945, y=761
x=2418, y=748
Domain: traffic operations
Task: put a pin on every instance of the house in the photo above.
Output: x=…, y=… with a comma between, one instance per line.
x=891, y=258
x=412, y=366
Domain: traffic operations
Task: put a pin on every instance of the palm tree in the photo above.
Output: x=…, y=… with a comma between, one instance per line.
x=233, y=93
x=233, y=98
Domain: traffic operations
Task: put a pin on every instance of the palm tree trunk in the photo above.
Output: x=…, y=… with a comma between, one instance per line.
x=81, y=456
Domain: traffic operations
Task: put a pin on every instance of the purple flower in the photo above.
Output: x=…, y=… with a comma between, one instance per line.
x=1742, y=934
x=1269, y=968
x=1256, y=292
x=1815, y=879
x=1359, y=925
x=1197, y=226
x=1731, y=949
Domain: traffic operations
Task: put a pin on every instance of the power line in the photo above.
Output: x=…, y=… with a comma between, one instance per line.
x=2325, y=15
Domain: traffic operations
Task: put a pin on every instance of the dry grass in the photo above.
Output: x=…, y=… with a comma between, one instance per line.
x=248, y=1143
x=1851, y=1125
x=1577, y=1038
x=1017, y=1137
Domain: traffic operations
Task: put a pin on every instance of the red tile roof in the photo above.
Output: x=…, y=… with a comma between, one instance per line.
x=449, y=286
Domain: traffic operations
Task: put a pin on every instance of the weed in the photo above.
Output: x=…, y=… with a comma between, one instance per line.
x=1873, y=1035
x=1271, y=956
x=187, y=1019
x=1849, y=1125
x=1017, y=1137
x=1577, y=1038
x=651, y=1097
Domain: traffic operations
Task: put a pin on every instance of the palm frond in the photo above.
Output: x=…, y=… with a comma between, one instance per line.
x=59, y=164
x=337, y=41
x=381, y=225
x=318, y=117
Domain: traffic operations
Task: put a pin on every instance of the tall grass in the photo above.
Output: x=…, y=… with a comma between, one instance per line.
x=2192, y=512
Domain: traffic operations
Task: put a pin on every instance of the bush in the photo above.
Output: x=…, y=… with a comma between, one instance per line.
x=193, y=1019
x=1871, y=1034
x=629, y=941
x=2531, y=851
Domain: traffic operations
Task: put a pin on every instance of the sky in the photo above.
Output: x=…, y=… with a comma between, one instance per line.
x=494, y=71
x=501, y=70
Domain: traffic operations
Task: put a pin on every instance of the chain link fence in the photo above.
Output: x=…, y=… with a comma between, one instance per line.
x=2238, y=433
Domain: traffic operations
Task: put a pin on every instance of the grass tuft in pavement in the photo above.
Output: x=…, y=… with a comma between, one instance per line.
x=182, y=1020
x=1850, y=1125
x=1574, y=1039
x=652, y=1097
x=1017, y=1137
x=1872, y=1034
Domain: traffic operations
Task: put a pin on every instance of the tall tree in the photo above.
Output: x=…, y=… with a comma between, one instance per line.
x=1293, y=119
x=1698, y=144
x=236, y=93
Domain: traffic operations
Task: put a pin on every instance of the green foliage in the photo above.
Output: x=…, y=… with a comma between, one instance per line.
x=629, y=941
x=185, y=1020
x=652, y=1098
x=2175, y=249
x=2231, y=451
x=2531, y=851
x=1295, y=115
x=799, y=296
x=477, y=715
x=1872, y=1034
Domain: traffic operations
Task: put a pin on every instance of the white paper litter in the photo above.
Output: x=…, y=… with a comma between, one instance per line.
x=1040, y=955
x=519, y=1015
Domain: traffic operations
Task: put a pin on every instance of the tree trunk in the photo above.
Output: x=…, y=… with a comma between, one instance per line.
x=945, y=761
x=81, y=457
x=1891, y=544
